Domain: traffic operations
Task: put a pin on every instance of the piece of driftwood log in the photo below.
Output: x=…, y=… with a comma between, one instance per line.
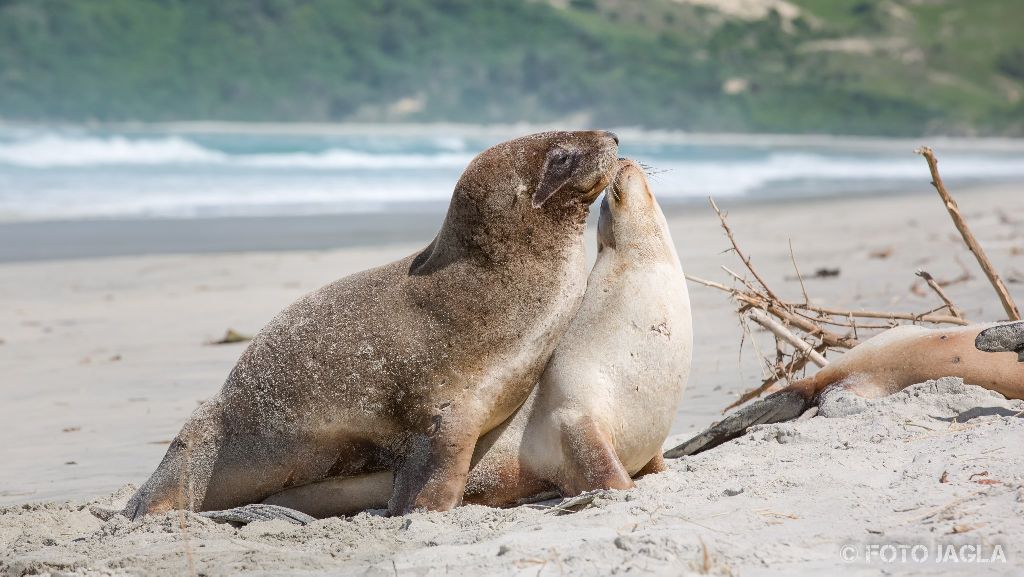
x=972, y=243
x=231, y=336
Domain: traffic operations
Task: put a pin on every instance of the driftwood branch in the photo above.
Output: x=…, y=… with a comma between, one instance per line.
x=748, y=299
x=801, y=326
x=849, y=322
x=788, y=311
x=917, y=318
x=739, y=253
x=798, y=363
x=930, y=281
x=759, y=317
x=972, y=243
x=964, y=276
x=800, y=277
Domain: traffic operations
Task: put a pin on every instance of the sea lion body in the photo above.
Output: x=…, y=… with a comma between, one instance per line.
x=607, y=399
x=608, y=396
x=403, y=367
x=910, y=354
x=983, y=355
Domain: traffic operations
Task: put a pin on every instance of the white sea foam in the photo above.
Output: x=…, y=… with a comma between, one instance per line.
x=55, y=151
x=349, y=159
x=59, y=175
x=734, y=177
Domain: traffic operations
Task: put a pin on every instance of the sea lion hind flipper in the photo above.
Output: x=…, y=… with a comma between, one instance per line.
x=782, y=406
x=591, y=462
x=1003, y=338
x=654, y=466
x=259, y=512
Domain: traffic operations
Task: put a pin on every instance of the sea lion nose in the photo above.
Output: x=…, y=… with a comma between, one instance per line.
x=612, y=135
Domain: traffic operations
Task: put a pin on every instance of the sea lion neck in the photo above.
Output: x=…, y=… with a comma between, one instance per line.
x=631, y=225
x=645, y=238
x=522, y=232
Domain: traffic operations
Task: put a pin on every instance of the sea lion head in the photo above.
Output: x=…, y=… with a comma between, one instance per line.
x=631, y=217
x=530, y=191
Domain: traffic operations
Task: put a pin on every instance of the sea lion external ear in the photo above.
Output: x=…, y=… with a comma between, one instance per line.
x=556, y=173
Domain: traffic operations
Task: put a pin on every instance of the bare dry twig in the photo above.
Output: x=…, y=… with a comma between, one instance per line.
x=918, y=318
x=964, y=276
x=759, y=303
x=972, y=243
x=797, y=364
x=953, y=309
x=739, y=253
x=759, y=317
x=800, y=277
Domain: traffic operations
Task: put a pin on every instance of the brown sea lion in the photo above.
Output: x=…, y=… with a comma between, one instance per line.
x=403, y=367
x=609, y=394
x=982, y=355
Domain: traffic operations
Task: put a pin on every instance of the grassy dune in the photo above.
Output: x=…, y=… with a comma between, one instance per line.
x=847, y=66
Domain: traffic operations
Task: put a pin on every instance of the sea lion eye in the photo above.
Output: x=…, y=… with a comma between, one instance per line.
x=560, y=157
x=558, y=169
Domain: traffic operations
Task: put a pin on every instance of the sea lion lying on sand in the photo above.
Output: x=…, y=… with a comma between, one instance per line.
x=884, y=364
x=609, y=394
x=403, y=367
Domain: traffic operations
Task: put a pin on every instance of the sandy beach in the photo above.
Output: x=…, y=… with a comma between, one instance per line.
x=104, y=355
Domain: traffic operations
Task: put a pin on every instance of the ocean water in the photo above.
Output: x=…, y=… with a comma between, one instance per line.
x=73, y=174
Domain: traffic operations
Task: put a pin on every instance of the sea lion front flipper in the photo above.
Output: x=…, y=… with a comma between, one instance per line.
x=784, y=405
x=259, y=512
x=433, y=475
x=591, y=462
x=1004, y=338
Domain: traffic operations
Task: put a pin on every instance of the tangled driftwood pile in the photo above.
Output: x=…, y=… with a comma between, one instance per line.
x=805, y=332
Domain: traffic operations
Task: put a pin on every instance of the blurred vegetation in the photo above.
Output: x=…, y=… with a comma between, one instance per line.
x=882, y=67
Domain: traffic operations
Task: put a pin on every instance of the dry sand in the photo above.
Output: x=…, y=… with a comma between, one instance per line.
x=103, y=359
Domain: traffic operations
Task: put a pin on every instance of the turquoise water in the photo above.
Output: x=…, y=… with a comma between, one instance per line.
x=51, y=174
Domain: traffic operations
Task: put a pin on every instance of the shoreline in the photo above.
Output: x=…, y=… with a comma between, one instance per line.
x=97, y=239
x=654, y=136
x=56, y=240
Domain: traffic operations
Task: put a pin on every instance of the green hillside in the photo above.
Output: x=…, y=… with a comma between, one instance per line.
x=843, y=66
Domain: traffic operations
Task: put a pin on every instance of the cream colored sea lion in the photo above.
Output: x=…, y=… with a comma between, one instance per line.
x=882, y=365
x=404, y=367
x=609, y=394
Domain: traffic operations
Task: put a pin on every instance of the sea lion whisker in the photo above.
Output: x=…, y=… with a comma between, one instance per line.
x=651, y=170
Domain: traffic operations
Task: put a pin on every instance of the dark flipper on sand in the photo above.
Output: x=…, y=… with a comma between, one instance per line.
x=784, y=405
x=1008, y=338
x=259, y=512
